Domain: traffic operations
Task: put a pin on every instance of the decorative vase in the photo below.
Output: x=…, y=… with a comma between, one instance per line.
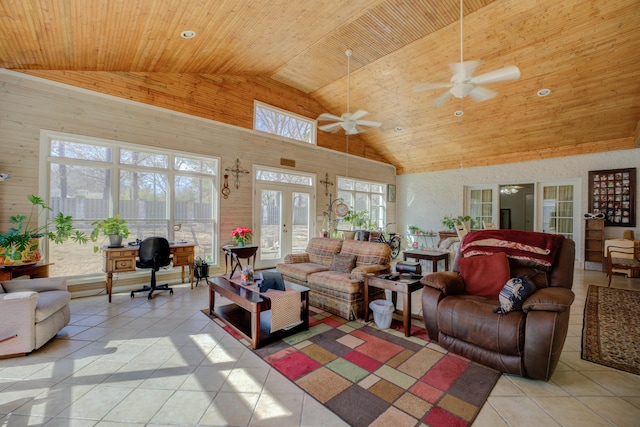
x=12, y=257
x=240, y=243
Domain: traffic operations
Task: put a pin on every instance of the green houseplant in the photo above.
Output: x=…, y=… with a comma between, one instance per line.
x=357, y=219
x=450, y=221
x=20, y=245
x=114, y=227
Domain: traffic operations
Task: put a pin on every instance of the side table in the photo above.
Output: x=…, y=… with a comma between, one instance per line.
x=404, y=286
x=235, y=253
x=433, y=256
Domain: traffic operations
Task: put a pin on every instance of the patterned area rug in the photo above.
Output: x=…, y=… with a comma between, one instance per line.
x=378, y=377
x=611, y=329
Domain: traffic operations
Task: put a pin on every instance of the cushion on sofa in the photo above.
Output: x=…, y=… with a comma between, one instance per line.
x=485, y=275
x=50, y=302
x=368, y=253
x=321, y=250
x=335, y=283
x=513, y=294
x=299, y=271
x=471, y=319
x=343, y=263
x=37, y=285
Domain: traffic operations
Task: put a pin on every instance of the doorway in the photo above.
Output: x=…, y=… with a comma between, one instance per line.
x=517, y=206
x=284, y=202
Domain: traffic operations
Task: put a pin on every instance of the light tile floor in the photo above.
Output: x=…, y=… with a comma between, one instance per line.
x=137, y=362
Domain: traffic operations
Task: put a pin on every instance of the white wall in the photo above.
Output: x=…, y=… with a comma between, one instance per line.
x=424, y=198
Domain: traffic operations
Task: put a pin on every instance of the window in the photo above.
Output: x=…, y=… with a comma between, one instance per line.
x=364, y=196
x=158, y=193
x=280, y=122
x=480, y=207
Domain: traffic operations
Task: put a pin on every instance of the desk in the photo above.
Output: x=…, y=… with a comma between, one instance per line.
x=235, y=253
x=34, y=271
x=120, y=260
x=434, y=256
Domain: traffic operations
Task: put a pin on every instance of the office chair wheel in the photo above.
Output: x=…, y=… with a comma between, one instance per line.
x=170, y=291
x=132, y=294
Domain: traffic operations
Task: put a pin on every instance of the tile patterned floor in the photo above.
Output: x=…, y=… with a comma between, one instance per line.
x=161, y=362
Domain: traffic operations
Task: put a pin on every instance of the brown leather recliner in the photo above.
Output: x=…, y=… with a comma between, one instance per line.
x=525, y=343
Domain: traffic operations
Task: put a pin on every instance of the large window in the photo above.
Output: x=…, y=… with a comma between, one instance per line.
x=364, y=196
x=280, y=122
x=158, y=193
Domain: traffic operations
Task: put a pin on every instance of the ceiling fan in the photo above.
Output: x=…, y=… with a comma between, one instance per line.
x=464, y=84
x=350, y=122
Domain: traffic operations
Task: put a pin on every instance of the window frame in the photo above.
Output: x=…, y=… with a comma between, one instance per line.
x=47, y=162
x=381, y=222
x=312, y=123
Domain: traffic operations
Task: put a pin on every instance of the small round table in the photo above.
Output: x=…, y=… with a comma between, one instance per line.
x=234, y=254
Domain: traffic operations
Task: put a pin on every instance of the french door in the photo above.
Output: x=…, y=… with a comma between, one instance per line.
x=284, y=206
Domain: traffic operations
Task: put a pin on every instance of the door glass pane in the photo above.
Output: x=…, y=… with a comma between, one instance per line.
x=270, y=224
x=557, y=210
x=301, y=221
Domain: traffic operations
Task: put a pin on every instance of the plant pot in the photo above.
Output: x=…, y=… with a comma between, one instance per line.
x=362, y=235
x=240, y=244
x=115, y=240
x=12, y=257
x=349, y=235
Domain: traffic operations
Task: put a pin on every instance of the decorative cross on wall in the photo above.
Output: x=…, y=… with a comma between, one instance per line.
x=326, y=183
x=237, y=171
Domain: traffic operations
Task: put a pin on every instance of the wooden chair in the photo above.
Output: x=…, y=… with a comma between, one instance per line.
x=619, y=258
x=489, y=225
x=461, y=229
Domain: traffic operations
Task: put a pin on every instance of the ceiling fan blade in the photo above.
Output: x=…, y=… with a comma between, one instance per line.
x=464, y=70
x=358, y=114
x=442, y=99
x=480, y=94
x=368, y=123
x=330, y=127
x=429, y=86
x=508, y=73
x=327, y=116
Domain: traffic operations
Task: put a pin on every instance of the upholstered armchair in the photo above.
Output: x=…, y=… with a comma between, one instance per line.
x=473, y=311
x=31, y=313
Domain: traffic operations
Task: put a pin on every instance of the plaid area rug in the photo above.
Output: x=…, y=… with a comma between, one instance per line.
x=369, y=376
x=611, y=328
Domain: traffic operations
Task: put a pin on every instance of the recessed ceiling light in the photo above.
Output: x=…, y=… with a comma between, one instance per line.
x=459, y=113
x=399, y=128
x=544, y=92
x=188, y=34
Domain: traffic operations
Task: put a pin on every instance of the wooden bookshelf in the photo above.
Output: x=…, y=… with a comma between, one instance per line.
x=594, y=242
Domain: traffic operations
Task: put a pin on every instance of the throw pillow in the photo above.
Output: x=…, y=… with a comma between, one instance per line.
x=271, y=280
x=485, y=275
x=343, y=263
x=513, y=294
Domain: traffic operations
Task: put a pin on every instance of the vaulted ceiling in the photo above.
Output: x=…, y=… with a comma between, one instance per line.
x=292, y=53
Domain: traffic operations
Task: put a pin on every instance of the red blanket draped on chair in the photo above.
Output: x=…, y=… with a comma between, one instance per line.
x=539, y=248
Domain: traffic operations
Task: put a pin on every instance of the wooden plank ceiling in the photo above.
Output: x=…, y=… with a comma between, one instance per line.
x=291, y=54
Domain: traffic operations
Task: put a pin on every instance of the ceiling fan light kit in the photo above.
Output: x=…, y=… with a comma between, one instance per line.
x=351, y=123
x=463, y=83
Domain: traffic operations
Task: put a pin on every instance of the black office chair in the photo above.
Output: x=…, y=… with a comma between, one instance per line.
x=154, y=253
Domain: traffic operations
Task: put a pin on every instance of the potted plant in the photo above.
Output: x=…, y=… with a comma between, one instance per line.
x=241, y=235
x=358, y=221
x=20, y=245
x=414, y=229
x=114, y=227
x=450, y=221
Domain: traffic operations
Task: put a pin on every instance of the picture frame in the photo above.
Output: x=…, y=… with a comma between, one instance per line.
x=391, y=193
x=612, y=192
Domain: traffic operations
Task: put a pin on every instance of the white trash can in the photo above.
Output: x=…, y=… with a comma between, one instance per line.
x=382, y=310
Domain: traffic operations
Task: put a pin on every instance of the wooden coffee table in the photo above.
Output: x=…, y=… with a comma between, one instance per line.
x=404, y=286
x=249, y=313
